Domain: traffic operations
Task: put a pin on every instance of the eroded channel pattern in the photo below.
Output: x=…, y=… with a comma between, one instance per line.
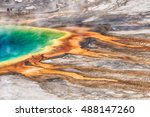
x=91, y=59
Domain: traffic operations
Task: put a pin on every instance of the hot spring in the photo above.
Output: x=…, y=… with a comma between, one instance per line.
x=18, y=43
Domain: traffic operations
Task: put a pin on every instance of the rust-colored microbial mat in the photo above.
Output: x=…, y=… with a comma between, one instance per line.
x=119, y=62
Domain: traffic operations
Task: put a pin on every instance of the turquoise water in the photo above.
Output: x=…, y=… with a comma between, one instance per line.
x=17, y=41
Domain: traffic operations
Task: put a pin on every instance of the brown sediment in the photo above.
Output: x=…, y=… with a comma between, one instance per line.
x=71, y=45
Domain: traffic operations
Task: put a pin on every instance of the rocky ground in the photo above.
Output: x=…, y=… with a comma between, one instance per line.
x=124, y=18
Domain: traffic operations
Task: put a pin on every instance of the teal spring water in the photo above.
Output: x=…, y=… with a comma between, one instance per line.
x=17, y=41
